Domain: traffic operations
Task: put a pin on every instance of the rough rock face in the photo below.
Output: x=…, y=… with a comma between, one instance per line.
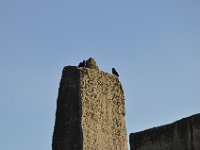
x=181, y=135
x=90, y=111
x=68, y=133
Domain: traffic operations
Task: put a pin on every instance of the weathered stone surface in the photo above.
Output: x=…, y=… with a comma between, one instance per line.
x=68, y=131
x=91, y=63
x=103, y=111
x=181, y=135
x=90, y=111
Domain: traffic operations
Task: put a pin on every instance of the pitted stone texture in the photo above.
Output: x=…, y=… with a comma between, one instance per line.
x=90, y=111
x=181, y=135
x=91, y=63
x=103, y=111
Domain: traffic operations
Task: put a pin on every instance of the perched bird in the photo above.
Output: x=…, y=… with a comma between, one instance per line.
x=115, y=72
x=82, y=64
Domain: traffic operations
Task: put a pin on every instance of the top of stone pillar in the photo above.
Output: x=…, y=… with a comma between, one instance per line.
x=91, y=63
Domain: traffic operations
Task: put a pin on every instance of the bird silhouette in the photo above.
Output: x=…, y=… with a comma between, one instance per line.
x=82, y=64
x=115, y=72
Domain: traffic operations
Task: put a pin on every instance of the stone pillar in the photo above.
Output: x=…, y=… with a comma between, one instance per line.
x=90, y=111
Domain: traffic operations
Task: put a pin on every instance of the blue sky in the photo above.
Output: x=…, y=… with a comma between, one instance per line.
x=154, y=45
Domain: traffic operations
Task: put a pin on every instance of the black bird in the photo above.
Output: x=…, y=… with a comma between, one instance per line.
x=115, y=72
x=82, y=64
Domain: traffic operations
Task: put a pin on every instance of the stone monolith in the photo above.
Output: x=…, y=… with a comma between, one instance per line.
x=90, y=111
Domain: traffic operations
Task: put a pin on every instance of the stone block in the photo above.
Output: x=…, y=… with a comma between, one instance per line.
x=180, y=135
x=90, y=111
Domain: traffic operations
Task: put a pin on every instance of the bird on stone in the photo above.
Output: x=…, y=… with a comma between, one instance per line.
x=82, y=64
x=115, y=72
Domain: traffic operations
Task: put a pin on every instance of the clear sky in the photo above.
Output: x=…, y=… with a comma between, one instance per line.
x=153, y=44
